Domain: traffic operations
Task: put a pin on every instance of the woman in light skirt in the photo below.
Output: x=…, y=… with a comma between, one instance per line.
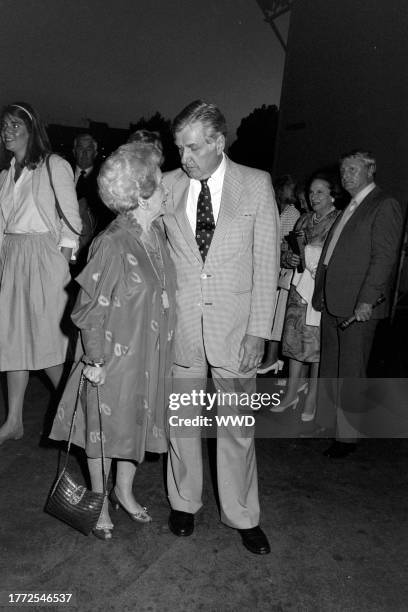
x=35, y=248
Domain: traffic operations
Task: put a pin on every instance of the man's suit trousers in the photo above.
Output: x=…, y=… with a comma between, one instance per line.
x=236, y=462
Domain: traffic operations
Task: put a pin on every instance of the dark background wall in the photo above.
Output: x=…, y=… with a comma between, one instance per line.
x=346, y=86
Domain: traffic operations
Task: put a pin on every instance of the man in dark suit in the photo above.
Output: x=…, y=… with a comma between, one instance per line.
x=86, y=171
x=356, y=268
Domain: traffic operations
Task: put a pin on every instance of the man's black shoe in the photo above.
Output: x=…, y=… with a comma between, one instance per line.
x=339, y=450
x=181, y=523
x=255, y=540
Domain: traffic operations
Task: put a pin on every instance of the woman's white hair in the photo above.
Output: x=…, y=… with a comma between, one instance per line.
x=128, y=174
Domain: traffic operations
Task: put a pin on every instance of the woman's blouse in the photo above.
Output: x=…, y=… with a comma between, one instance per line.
x=316, y=230
x=18, y=208
x=28, y=206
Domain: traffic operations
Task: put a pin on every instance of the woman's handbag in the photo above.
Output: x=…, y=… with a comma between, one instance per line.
x=73, y=503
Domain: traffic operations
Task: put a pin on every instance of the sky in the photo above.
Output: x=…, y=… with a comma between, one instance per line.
x=116, y=61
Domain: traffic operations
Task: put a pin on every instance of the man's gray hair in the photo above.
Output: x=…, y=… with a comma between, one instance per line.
x=85, y=135
x=366, y=157
x=208, y=114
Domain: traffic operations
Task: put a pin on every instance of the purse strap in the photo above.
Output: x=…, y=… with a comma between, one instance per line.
x=81, y=385
x=57, y=204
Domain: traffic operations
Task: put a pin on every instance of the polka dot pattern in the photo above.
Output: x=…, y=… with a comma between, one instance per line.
x=205, y=225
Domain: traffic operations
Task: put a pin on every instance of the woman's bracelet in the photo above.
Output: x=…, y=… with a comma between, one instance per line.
x=96, y=363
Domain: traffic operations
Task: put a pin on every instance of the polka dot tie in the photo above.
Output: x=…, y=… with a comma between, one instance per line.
x=205, y=220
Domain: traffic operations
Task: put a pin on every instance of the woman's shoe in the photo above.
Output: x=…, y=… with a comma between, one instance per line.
x=102, y=533
x=282, y=406
x=274, y=367
x=304, y=388
x=103, y=530
x=141, y=517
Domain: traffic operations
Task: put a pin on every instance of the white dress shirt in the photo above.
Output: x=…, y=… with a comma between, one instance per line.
x=215, y=183
x=78, y=171
x=21, y=215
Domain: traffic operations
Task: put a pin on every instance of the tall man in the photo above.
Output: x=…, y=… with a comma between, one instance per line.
x=356, y=268
x=223, y=235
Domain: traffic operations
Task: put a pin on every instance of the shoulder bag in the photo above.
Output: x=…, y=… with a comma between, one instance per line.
x=71, y=502
x=57, y=204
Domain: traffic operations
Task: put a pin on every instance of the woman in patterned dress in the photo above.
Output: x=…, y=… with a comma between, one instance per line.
x=126, y=313
x=301, y=333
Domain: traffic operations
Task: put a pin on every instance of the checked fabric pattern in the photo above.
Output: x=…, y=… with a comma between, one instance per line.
x=205, y=220
x=237, y=295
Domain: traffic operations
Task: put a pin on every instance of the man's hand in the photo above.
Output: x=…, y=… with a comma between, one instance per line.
x=250, y=353
x=363, y=311
x=96, y=375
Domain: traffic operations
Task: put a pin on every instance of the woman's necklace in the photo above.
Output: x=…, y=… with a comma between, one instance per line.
x=316, y=219
x=164, y=296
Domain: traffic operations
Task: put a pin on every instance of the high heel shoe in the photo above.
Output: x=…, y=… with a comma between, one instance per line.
x=274, y=367
x=282, y=406
x=141, y=517
x=103, y=531
x=304, y=388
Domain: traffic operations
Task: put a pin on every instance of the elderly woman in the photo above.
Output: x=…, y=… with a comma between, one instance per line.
x=125, y=312
x=36, y=246
x=301, y=334
x=148, y=137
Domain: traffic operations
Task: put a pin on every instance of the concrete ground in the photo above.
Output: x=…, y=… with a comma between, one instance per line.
x=338, y=533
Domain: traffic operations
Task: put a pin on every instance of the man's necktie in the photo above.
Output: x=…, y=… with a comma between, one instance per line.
x=205, y=225
x=338, y=229
x=80, y=186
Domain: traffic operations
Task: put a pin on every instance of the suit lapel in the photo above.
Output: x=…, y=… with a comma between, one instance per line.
x=180, y=193
x=358, y=215
x=351, y=223
x=230, y=200
x=362, y=208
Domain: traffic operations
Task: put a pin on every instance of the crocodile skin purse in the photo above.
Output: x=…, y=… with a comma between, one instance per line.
x=71, y=502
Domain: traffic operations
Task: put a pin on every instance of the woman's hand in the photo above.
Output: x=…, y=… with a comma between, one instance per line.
x=67, y=253
x=95, y=374
x=292, y=260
